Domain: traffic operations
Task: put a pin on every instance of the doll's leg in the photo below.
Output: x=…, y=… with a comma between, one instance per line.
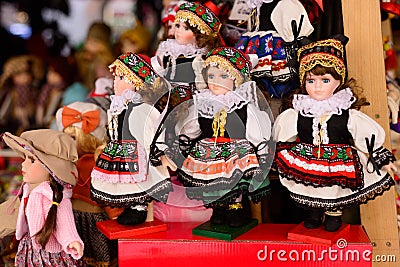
x=333, y=220
x=239, y=213
x=133, y=215
x=219, y=214
x=313, y=219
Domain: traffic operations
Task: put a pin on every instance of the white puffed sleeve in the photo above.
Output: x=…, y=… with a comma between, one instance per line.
x=188, y=124
x=285, y=126
x=258, y=125
x=362, y=126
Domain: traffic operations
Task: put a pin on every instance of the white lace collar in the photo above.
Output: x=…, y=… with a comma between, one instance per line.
x=170, y=47
x=120, y=102
x=309, y=107
x=208, y=104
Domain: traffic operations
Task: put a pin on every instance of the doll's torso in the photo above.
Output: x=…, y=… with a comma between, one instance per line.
x=337, y=130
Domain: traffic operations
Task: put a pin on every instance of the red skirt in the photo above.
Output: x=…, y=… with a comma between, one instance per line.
x=318, y=166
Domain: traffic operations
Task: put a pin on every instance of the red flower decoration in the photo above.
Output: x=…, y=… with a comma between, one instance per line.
x=240, y=62
x=200, y=10
x=144, y=71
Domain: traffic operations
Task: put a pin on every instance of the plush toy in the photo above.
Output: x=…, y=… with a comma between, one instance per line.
x=225, y=136
x=86, y=123
x=323, y=140
x=45, y=227
x=123, y=176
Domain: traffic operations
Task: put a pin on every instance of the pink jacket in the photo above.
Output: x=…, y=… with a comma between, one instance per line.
x=32, y=217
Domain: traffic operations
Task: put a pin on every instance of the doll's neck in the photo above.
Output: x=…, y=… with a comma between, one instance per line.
x=172, y=48
x=310, y=107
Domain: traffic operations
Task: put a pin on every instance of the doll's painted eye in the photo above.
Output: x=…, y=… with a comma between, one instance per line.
x=177, y=25
x=32, y=159
x=210, y=76
x=186, y=28
x=121, y=77
x=325, y=80
x=309, y=81
x=224, y=76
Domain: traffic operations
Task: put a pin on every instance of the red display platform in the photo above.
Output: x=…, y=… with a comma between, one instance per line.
x=113, y=230
x=264, y=245
x=318, y=235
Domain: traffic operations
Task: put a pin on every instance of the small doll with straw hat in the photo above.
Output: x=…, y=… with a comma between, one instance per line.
x=123, y=176
x=329, y=154
x=86, y=123
x=45, y=226
x=226, y=130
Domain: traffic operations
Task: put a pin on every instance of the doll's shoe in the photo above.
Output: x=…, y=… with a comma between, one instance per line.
x=314, y=219
x=237, y=215
x=332, y=223
x=132, y=216
x=218, y=216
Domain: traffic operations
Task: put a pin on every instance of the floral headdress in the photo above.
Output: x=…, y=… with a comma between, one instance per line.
x=231, y=60
x=198, y=16
x=134, y=68
x=327, y=53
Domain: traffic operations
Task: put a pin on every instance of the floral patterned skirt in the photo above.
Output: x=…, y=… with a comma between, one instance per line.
x=27, y=256
x=222, y=170
x=329, y=177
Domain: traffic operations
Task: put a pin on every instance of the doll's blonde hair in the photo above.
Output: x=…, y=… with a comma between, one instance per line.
x=86, y=143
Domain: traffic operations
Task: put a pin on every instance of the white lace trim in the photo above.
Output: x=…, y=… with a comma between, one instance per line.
x=120, y=102
x=317, y=139
x=315, y=167
x=208, y=104
x=170, y=47
x=309, y=107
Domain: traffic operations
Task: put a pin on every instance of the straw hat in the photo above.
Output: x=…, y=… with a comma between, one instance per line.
x=54, y=149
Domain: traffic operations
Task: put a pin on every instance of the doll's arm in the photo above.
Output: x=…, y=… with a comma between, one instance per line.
x=285, y=126
x=369, y=137
x=66, y=233
x=258, y=132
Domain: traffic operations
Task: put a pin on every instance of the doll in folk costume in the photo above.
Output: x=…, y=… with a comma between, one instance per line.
x=324, y=140
x=19, y=86
x=45, y=226
x=196, y=32
x=86, y=123
x=123, y=176
x=227, y=136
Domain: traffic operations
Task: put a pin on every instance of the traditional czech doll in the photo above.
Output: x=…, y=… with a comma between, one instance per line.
x=226, y=164
x=122, y=176
x=323, y=140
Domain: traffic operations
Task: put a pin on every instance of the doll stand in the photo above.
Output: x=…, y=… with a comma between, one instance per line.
x=113, y=230
x=223, y=232
x=318, y=235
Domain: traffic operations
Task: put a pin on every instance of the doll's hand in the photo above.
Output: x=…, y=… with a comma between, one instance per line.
x=77, y=247
x=166, y=162
x=390, y=167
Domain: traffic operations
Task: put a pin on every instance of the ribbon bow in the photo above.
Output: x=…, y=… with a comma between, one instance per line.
x=90, y=119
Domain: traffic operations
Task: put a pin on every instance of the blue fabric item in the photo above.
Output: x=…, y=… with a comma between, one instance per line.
x=75, y=92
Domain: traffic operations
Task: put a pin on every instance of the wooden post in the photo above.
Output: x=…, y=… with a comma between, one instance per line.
x=362, y=24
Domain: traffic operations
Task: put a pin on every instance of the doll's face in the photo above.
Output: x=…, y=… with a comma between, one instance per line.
x=120, y=85
x=183, y=34
x=54, y=77
x=321, y=87
x=219, y=81
x=33, y=171
x=22, y=78
x=171, y=29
